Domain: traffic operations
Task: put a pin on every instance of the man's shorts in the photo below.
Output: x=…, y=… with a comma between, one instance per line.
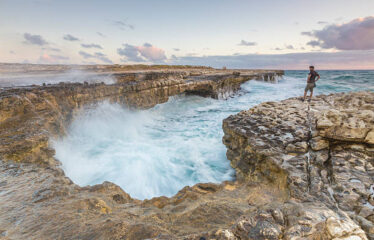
x=309, y=86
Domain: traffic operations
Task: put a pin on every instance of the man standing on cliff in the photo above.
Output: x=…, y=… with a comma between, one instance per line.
x=311, y=82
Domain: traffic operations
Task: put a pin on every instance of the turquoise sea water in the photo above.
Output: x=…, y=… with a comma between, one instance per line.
x=158, y=151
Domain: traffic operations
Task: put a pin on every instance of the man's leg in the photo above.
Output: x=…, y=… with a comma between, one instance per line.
x=305, y=92
x=311, y=94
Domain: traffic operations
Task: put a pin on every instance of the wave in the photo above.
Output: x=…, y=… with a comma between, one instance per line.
x=158, y=151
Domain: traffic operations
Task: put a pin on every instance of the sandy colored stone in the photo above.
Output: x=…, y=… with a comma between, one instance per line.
x=319, y=143
x=370, y=137
x=334, y=171
x=277, y=195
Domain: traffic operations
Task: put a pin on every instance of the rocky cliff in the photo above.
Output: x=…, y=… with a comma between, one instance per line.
x=30, y=115
x=37, y=200
x=304, y=170
x=321, y=153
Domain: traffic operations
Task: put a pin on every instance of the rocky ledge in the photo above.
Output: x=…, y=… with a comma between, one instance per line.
x=29, y=116
x=321, y=153
x=37, y=200
x=304, y=170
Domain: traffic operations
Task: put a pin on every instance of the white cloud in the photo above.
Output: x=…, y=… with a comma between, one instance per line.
x=357, y=34
x=145, y=53
x=246, y=43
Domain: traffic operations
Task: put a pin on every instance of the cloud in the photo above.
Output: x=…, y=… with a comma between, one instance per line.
x=310, y=34
x=89, y=62
x=55, y=49
x=52, y=49
x=322, y=22
x=313, y=43
x=85, y=54
x=246, y=43
x=290, y=47
x=145, y=53
x=176, y=49
x=130, y=52
x=92, y=45
x=97, y=55
x=357, y=34
x=34, y=39
x=123, y=25
x=45, y=58
x=12, y=52
x=322, y=60
x=71, y=38
x=100, y=34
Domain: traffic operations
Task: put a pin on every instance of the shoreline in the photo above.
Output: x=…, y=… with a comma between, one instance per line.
x=267, y=200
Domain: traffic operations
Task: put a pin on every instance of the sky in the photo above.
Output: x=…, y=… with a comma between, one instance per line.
x=287, y=34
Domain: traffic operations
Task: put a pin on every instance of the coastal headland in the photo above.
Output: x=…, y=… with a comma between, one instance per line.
x=303, y=170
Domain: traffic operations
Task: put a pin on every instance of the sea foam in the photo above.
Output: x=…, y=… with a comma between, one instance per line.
x=158, y=151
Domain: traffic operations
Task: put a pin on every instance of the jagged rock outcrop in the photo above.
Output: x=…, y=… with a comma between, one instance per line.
x=320, y=152
x=29, y=116
x=304, y=170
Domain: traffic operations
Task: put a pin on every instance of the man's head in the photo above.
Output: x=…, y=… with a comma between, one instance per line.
x=311, y=68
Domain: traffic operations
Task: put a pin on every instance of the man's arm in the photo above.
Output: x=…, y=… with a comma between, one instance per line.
x=318, y=77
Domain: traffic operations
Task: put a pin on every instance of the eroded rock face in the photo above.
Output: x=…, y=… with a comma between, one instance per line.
x=29, y=116
x=39, y=202
x=320, y=152
x=298, y=175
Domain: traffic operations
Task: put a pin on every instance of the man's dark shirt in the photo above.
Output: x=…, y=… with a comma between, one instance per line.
x=313, y=75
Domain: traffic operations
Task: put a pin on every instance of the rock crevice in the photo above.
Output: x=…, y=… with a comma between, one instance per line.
x=322, y=148
x=304, y=170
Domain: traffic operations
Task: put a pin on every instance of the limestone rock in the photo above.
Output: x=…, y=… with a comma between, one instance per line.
x=298, y=177
x=334, y=171
x=319, y=143
x=370, y=137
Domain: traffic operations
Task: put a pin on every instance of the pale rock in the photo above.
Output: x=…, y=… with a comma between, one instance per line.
x=370, y=137
x=318, y=143
x=299, y=147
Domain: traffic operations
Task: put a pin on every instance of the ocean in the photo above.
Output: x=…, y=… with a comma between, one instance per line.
x=156, y=152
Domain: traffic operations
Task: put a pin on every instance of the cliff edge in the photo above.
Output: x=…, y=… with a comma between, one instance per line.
x=321, y=152
x=304, y=170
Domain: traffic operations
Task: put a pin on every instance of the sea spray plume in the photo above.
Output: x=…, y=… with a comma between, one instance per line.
x=147, y=153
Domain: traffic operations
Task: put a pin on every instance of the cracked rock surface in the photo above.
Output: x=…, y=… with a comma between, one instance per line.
x=320, y=152
x=299, y=175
